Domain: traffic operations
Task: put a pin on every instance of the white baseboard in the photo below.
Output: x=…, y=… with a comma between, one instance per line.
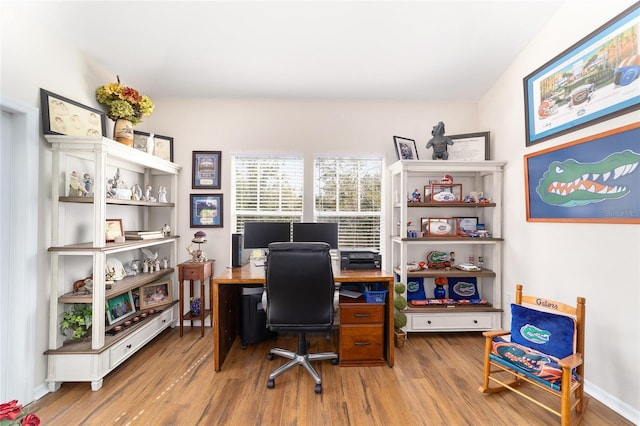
x=625, y=410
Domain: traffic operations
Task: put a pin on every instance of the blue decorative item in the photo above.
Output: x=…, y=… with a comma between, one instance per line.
x=439, y=292
x=195, y=306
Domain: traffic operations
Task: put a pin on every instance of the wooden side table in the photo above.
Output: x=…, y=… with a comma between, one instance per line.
x=195, y=271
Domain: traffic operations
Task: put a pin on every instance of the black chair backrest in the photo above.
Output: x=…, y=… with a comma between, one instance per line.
x=299, y=286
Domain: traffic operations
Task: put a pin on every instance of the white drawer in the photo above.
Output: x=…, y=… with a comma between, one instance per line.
x=471, y=321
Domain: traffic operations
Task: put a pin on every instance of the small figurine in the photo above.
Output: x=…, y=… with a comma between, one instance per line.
x=76, y=186
x=166, y=230
x=439, y=142
x=452, y=258
x=162, y=194
x=147, y=194
x=88, y=183
x=136, y=192
x=165, y=262
x=416, y=195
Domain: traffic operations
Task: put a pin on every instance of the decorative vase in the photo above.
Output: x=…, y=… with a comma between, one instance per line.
x=195, y=306
x=123, y=132
x=150, y=143
x=439, y=292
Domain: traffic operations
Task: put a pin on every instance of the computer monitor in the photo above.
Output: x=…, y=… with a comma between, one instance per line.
x=258, y=235
x=323, y=232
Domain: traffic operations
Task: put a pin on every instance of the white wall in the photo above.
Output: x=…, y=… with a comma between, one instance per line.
x=565, y=260
x=595, y=261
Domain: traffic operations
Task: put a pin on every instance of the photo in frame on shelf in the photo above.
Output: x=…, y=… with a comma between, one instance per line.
x=162, y=145
x=206, y=166
x=63, y=116
x=206, y=210
x=155, y=294
x=469, y=147
x=114, y=232
x=594, y=80
x=119, y=307
x=405, y=148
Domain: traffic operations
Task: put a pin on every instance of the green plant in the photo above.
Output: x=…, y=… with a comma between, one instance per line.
x=76, y=321
x=399, y=304
x=124, y=102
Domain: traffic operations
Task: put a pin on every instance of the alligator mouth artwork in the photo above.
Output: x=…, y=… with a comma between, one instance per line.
x=570, y=183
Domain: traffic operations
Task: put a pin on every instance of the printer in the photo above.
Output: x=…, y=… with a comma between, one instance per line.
x=360, y=258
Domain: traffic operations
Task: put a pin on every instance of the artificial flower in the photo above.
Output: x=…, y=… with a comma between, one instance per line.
x=124, y=102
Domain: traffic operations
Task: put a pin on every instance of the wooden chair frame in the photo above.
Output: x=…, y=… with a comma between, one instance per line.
x=573, y=402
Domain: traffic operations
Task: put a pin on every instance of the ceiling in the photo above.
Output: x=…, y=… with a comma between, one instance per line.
x=380, y=50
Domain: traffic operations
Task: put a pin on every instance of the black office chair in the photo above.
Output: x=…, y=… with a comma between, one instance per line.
x=299, y=290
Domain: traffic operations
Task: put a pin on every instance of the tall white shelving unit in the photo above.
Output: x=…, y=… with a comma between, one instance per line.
x=482, y=176
x=78, y=248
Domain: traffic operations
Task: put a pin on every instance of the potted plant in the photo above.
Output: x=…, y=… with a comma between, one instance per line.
x=125, y=106
x=76, y=321
x=399, y=317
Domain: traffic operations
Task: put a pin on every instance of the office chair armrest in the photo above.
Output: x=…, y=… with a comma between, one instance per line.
x=264, y=299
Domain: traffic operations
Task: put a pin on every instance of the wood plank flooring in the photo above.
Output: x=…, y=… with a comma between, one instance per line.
x=171, y=382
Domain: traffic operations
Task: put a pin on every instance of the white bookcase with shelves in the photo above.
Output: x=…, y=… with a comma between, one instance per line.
x=409, y=244
x=79, y=249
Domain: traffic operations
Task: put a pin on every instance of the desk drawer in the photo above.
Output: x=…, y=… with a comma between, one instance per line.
x=189, y=273
x=361, y=313
x=361, y=342
x=440, y=322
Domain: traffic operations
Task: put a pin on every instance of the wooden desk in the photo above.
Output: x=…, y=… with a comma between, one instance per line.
x=227, y=285
x=195, y=271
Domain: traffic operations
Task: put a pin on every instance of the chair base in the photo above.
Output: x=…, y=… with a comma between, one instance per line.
x=301, y=358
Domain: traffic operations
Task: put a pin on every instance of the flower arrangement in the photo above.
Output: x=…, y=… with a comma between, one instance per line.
x=11, y=413
x=124, y=102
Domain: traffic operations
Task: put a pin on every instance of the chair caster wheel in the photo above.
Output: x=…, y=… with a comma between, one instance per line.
x=335, y=361
x=318, y=388
x=270, y=356
x=243, y=346
x=271, y=384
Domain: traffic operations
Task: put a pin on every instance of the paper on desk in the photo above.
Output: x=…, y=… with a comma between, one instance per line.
x=349, y=293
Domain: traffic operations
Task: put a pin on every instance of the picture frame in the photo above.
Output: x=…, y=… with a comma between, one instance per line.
x=405, y=148
x=119, y=307
x=163, y=145
x=113, y=230
x=63, y=116
x=206, y=167
x=468, y=224
x=155, y=294
x=593, y=179
x=206, y=210
x=469, y=147
x=591, y=81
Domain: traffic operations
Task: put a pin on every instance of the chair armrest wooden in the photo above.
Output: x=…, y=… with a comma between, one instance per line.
x=571, y=361
x=495, y=333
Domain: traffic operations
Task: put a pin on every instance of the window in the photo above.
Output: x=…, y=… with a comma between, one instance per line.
x=267, y=188
x=348, y=190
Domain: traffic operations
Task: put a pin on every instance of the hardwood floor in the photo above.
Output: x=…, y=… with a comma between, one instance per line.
x=171, y=382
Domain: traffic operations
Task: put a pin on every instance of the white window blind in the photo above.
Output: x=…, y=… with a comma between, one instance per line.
x=267, y=188
x=348, y=190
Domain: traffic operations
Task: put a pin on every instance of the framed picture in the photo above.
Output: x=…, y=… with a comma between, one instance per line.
x=163, y=145
x=62, y=116
x=206, y=169
x=206, y=210
x=119, y=307
x=467, y=224
x=155, y=294
x=591, y=81
x=405, y=148
x=113, y=230
x=469, y=147
x=594, y=179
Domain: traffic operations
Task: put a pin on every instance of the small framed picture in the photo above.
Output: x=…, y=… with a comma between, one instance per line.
x=62, y=116
x=467, y=224
x=405, y=148
x=155, y=294
x=119, y=307
x=114, y=230
x=162, y=145
x=206, y=169
x=206, y=211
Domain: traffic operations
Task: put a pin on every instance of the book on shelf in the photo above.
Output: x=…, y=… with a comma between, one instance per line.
x=143, y=235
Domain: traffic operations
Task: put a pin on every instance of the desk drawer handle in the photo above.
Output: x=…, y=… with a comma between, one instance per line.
x=129, y=346
x=361, y=343
x=366, y=315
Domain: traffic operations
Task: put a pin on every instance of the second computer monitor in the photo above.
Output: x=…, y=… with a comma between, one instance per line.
x=258, y=235
x=316, y=232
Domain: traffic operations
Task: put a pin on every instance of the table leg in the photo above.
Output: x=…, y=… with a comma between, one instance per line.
x=202, y=308
x=181, y=305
